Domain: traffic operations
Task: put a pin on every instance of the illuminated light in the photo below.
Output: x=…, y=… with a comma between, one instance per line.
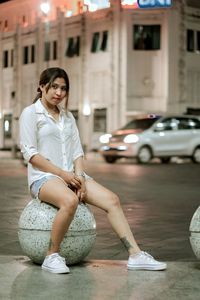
x=130, y=3
x=161, y=134
x=105, y=138
x=122, y=148
x=160, y=125
x=131, y=138
x=6, y=126
x=105, y=148
x=154, y=3
x=69, y=13
x=45, y=7
x=86, y=110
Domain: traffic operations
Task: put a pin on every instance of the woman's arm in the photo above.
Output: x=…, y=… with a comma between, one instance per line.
x=79, y=166
x=79, y=172
x=43, y=164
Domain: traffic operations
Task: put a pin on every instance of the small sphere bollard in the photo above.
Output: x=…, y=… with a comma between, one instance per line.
x=35, y=225
x=195, y=233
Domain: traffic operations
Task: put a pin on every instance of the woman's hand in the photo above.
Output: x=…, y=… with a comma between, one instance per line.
x=73, y=181
x=81, y=192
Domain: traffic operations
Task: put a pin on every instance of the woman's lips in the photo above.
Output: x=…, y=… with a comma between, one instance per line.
x=57, y=99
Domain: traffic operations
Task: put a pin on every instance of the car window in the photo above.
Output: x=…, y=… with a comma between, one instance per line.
x=141, y=123
x=188, y=123
x=167, y=124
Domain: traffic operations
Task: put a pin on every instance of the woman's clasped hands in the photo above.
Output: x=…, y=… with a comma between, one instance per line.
x=76, y=183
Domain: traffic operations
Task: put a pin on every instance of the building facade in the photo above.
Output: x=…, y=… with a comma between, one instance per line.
x=121, y=60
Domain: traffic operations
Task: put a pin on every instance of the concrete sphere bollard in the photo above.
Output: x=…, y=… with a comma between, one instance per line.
x=35, y=225
x=195, y=233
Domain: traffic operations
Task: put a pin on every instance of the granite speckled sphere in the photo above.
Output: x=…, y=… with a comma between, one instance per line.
x=195, y=233
x=35, y=225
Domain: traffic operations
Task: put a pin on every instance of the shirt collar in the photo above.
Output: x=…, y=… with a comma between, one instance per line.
x=40, y=109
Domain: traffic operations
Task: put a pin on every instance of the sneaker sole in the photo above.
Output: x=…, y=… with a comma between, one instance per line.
x=55, y=271
x=149, y=268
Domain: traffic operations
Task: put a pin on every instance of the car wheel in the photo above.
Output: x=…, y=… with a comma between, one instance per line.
x=196, y=156
x=165, y=160
x=110, y=159
x=144, y=155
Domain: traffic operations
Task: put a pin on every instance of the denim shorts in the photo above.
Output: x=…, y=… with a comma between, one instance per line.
x=36, y=185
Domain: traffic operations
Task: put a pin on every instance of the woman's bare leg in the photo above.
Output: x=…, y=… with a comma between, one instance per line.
x=101, y=197
x=56, y=192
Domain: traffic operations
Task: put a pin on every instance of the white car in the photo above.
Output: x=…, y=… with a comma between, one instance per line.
x=149, y=137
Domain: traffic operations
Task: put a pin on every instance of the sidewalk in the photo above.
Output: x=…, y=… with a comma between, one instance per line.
x=94, y=279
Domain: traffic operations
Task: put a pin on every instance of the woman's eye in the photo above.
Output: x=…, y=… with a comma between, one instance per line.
x=63, y=88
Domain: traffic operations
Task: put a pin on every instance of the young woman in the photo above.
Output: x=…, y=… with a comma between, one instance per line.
x=51, y=145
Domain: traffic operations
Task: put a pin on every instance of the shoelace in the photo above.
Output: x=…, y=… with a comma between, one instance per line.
x=60, y=258
x=147, y=255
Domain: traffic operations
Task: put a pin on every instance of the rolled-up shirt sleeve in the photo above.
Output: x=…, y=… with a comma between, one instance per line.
x=76, y=142
x=28, y=133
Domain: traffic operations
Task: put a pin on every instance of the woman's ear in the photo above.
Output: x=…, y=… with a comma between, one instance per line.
x=42, y=87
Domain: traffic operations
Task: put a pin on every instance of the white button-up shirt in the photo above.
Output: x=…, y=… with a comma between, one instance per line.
x=57, y=141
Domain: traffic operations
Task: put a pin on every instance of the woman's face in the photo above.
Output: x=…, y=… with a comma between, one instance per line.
x=56, y=93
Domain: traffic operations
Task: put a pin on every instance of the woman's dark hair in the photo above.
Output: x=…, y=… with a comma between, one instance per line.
x=47, y=78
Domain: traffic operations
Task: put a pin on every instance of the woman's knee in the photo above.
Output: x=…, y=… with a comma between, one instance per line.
x=70, y=204
x=114, y=201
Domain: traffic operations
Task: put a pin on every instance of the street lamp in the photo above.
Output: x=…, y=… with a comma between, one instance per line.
x=86, y=110
x=45, y=8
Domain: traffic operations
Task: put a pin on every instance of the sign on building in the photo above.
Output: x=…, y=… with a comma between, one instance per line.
x=154, y=3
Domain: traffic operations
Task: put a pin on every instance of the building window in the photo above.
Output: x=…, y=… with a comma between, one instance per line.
x=99, y=41
x=193, y=41
x=47, y=51
x=32, y=53
x=50, y=50
x=25, y=55
x=54, y=50
x=104, y=41
x=146, y=37
x=24, y=22
x=95, y=42
x=190, y=40
x=8, y=58
x=198, y=41
x=5, y=59
x=73, y=46
x=28, y=54
x=100, y=120
x=12, y=58
x=7, y=126
x=77, y=46
x=75, y=114
x=6, y=25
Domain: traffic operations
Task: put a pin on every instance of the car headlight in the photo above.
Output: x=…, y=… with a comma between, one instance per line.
x=131, y=138
x=105, y=138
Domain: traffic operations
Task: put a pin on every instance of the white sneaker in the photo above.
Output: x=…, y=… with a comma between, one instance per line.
x=55, y=263
x=144, y=261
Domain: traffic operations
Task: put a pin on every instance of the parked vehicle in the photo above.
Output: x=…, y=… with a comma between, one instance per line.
x=149, y=137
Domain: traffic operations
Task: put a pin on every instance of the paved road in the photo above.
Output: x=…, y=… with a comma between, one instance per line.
x=158, y=200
